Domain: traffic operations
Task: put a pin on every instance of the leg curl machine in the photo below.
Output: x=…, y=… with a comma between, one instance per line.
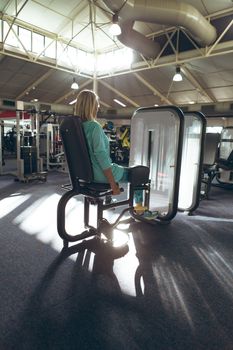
x=81, y=177
x=226, y=164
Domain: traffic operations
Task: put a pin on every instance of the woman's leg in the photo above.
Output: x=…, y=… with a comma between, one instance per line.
x=138, y=194
x=138, y=199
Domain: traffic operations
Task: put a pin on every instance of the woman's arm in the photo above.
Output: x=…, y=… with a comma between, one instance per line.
x=101, y=154
x=114, y=186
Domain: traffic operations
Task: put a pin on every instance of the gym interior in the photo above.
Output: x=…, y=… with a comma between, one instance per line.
x=81, y=268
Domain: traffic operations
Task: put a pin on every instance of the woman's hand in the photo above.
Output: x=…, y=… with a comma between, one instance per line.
x=115, y=189
x=114, y=186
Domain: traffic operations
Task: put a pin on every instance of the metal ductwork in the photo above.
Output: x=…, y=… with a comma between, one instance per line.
x=166, y=12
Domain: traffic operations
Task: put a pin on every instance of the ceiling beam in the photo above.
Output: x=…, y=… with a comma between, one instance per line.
x=153, y=89
x=41, y=63
x=126, y=98
x=35, y=84
x=219, y=38
x=105, y=104
x=12, y=23
x=19, y=40
x=196, y=84
x=182, y=57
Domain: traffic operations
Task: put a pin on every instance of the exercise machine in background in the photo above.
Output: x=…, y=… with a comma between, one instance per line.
x=192, y=161
x=209, y=170
x=20, y=143
x=171, y=143
x=224, y=162
x=51, y=148
x=158, y=144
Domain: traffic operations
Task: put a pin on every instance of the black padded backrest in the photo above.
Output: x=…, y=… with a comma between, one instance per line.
x=76, y=150
x=211, y=148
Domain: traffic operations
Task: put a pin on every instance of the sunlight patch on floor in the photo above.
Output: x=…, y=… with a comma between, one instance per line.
x=125, y=269
x=209, y=218
x=40, y=220
x=168, y=280
x=218, y=266
x=7, y=205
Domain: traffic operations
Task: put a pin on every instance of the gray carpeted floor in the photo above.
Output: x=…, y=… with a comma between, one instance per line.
x=173, y=289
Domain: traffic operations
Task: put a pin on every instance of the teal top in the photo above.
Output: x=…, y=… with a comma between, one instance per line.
x=99, y=150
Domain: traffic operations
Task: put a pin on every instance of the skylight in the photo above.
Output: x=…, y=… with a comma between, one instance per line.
x=43, y=47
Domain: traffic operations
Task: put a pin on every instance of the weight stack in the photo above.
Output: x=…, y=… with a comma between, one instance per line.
x=29, y=155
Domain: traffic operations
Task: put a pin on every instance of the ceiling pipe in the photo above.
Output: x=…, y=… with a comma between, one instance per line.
x=166, y=12
x=137, y=41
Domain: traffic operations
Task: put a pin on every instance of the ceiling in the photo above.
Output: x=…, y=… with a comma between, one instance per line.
x=207, y=72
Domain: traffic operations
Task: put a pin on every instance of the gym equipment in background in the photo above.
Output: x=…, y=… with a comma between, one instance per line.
x=224, y=175
x=192, y=158
x=209, y=170
x=158, y=144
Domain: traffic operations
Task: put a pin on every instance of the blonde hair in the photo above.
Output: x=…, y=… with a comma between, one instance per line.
x=87, y=105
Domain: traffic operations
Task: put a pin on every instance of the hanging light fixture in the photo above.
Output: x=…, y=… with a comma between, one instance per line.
x=177, y=76
x=115, y=29
x=74, y=85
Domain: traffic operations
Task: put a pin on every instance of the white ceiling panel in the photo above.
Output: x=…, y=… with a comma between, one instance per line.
x=212, y=6
x=3, y=4
x=223, y=94
x=39, y=16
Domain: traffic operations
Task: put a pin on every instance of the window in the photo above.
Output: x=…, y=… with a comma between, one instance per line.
x=11, y=37
x=50, y=50
x=85, y=61
x=26, y=38
x=38, y=43
x=214, y=129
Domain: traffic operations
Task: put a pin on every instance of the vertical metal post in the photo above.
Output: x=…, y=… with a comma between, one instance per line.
x=147, y=197
x=86, y=211
x=149, y=148
x=95, y=84
x=20, y=162
x=95, y=81
x=39, y=160
x=48, y=143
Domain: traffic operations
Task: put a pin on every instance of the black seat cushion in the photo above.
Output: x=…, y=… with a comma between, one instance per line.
x=95, y=186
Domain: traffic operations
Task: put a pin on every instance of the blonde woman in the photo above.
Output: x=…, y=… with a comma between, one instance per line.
x=98, y=144
x=104, y=170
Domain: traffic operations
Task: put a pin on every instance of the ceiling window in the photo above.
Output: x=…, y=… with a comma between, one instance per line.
x=66, y=55
x=72, y=55
x=11, y=38
x=50, y=48
x=25, y=37
x=62, y=55
x=38, y=43
x=114, y=60
x=85, y=62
